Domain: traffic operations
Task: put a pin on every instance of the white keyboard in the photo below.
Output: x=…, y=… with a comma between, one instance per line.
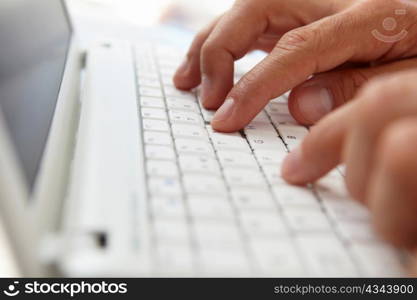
x=218, y=205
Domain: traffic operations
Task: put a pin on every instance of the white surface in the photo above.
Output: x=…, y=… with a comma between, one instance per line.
x=8, y=267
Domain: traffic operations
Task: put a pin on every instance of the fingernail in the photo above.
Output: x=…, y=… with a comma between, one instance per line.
x=314, y=102
x=292, y=165
x=225, y=111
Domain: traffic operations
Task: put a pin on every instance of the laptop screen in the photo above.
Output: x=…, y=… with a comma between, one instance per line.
x=34, y=38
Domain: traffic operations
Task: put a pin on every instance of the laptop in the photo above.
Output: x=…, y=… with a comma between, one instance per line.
x=108, y=170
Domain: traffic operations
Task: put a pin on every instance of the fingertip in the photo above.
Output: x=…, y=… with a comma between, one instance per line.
x=223, y=126
x=182, y=80
x=292, y=169
x=223, y=118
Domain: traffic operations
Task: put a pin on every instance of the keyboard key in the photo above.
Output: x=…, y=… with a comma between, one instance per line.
x=159, y=152
x=197, y=147
x=149, y=82
x=250, y=199
x=182, y=104
x=167, y=80
x=199, y=164
x=167, y=62
x=213, y=208
x=216, y=233
x=245, y=178
x=168, y=207
x=152, y=102
x=267, y=143
x=326, y=256
x=152, y=92
x=270, y=158
x=152, y=74
x=164, y=186
x=173, y=92
x=277, y=258
x=173, y=258
x=162, y=168
x=224, y=263
x=236, y=159
x=263, y=224
x=189, y=131
x=186, y=117
x=277, y=108
x=273, y=174
x=167, y=70
x=204, y=185
x=292, y=134
x=279, y=119
x=153, y=113
x=227, y=144
x=171, y=229
x=228, y=141
x=157, y=138
x=156, y=125
x=294, y=196
x=307, y=220
x=260, y=129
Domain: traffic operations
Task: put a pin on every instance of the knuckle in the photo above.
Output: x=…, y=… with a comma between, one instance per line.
x=298, y=39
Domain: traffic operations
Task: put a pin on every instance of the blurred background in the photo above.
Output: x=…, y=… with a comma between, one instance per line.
x=189, y=14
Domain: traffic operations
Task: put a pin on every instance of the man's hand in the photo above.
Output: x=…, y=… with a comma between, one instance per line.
x=304, y=37
x=376, y=137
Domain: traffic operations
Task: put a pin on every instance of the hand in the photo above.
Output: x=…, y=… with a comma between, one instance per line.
x=305, y=37
x=376, y=137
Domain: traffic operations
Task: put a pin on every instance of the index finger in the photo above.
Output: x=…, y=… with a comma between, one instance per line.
x=230, y=40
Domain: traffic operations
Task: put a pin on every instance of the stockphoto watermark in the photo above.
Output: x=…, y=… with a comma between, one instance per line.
x=72, y=289
x=390, y=25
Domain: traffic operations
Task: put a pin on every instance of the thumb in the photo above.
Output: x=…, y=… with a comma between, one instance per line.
x=315, y=98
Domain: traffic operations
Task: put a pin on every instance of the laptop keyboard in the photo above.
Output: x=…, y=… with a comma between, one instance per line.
x=218, y=205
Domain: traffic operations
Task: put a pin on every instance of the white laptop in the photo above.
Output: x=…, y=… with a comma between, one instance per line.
x=107, y=170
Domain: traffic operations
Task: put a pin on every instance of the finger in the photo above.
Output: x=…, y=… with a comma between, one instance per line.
x=392, y=194
x=300, y=53
x=382, y=102
x=188, y=73
x=413, y=267
x=321, y=149
x=312, y=100
x=231, y=39
x=266, y=43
